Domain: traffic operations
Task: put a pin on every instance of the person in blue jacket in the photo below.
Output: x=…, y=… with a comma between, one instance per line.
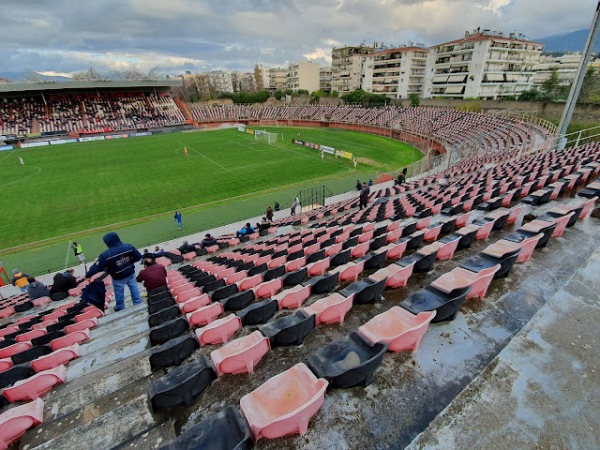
x=119, y=262
x=246, y=230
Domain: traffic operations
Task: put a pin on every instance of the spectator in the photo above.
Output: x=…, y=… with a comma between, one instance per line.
x=208, y=240
x=293, y=206
x=404, y=173
x=147, y=254
x=158, y=252
x=245, y=231
x=153, y=275
x=36, y=289
x=277, y=206
x=79, y=254
x=61, y=284
x=19, y=280
x=400, y=179
x=370, y=182
x=178, y=219
x=358, y=185
x=119, y=262
x=364, y=196
x=186, y=247
x=264, y=224
x=269, y=213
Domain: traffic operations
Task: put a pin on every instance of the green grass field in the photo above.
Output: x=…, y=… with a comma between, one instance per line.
x=71, y=191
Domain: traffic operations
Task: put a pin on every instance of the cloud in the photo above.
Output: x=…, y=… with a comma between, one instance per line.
x=67, y=36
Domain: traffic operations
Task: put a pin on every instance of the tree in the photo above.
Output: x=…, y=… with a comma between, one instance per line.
x=552, y=84
x=278, y=94
x=414, y=99
x=589, y=85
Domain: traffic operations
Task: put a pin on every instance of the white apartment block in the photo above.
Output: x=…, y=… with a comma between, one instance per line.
x=396, y=73
x=303, y=75
x=325, y=78
x=565, y=66
x=220, y=80
x=278, y=79
x=482, y=65
x=346, y=67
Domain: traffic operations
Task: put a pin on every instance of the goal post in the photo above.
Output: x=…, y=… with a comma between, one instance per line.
x=265, y=136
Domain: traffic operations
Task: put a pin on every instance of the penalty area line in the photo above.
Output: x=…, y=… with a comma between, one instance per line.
x=204, y=156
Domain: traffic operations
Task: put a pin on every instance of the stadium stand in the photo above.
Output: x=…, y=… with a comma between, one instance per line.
x=337, y=263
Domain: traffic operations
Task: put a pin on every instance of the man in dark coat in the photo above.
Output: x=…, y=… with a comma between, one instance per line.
x=119, y=262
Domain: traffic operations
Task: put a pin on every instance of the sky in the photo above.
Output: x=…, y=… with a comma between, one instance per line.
x=174, y=36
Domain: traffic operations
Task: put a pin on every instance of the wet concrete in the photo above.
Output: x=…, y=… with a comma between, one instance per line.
x=542, y=390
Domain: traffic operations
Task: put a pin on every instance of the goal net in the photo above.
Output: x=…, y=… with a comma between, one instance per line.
x=265, y=136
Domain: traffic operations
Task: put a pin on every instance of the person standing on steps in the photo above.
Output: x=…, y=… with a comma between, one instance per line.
x=78, y=250
x=178, y=220
x=119, y=261
x=293, y=207
x=269, y=213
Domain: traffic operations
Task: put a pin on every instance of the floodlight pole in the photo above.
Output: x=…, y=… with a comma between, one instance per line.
x=576, y=88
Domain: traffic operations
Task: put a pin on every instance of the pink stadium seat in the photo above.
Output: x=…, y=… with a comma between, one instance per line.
x=204, y=314
x=249, y=283
x=225, y=273
x=41, y=301
x=194, y=303
x=318, y=268
x=360, y=250
x=163, y=261
x=295, y=264
x=80, y=325
x=240, y=355
x=349, y=271
x=330, y=309
x=268, y=288
x=30, y=335
x=219, y=331
x=77, y=337
x=16, y=421
x=484, y=230
x=397, y=327
x=56, y=358
x=187, y=295
x=35, y=386
x=189, y=256
x=334, y=249
x=94, y=313
x=53, y=315
x=459, y=278
x=7, y=312
x=396, y=275
x=293, y=297
x=284, y=404
x=276, y=262
x=5, y=364
x=8, y=330
x=236, y=277
x=19, y=347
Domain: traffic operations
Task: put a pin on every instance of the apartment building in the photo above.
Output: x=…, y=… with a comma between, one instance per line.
x=346, y=67
x=303, y=75
x=483, y=64
x=565, y=65
x=395, y=73
x=325, y=78
x=278, y=79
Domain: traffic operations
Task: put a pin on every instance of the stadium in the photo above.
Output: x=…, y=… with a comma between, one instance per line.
x=453, y=293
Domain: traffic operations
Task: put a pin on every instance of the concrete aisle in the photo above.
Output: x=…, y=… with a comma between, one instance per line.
x=543, y=388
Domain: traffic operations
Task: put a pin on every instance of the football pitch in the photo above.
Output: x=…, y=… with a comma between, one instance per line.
x=65, y=191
